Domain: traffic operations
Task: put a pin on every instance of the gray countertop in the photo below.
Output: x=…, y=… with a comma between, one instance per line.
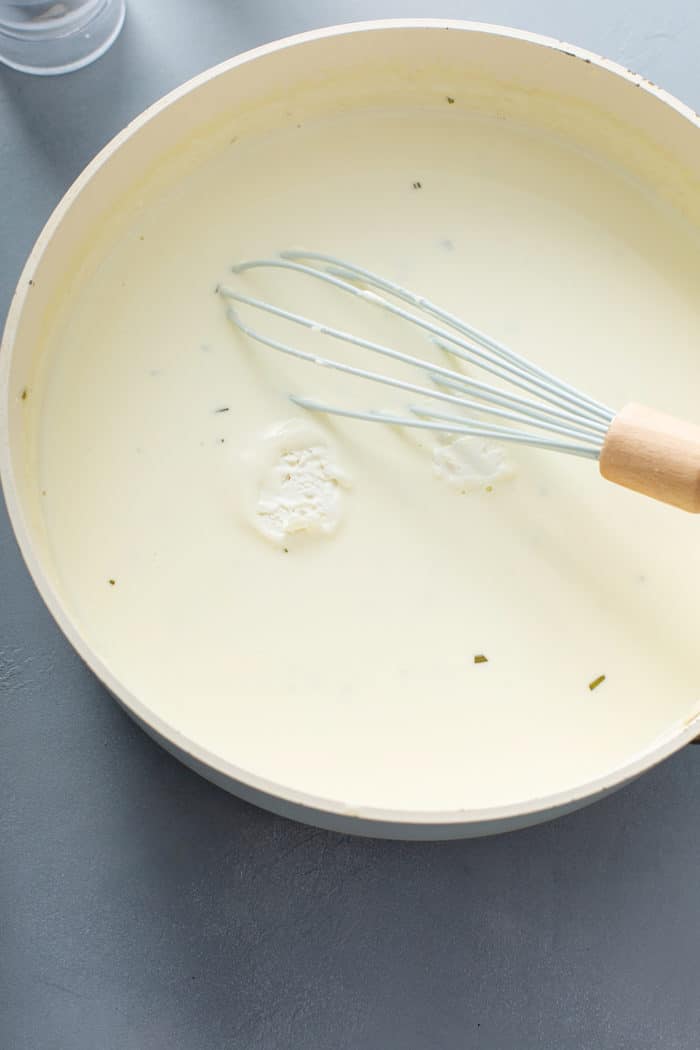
x=141, y=908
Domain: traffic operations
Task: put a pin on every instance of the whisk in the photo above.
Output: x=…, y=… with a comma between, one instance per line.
x=638, y=447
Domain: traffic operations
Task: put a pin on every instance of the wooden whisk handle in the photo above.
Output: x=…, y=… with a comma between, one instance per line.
x=654, y=454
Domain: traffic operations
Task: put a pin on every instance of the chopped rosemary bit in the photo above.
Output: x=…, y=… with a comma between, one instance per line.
x=481, y=659
x=417, y=185
x=224, y=409
x=596, y=682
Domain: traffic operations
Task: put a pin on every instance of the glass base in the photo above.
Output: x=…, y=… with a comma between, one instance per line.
x=47, y=46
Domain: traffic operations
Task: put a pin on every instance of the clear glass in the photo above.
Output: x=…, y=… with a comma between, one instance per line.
x=57, y=36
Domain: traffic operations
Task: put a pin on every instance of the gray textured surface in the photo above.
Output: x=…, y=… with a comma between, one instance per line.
x=141, y=908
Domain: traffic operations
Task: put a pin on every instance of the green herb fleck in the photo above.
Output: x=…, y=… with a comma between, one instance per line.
x=596, y=682
x=286, y=550
x=417, y=185
x=489, y=488
x=225, y=409
x=450, y=101
x=481, y=659
x=25, y=394
x=112, y=583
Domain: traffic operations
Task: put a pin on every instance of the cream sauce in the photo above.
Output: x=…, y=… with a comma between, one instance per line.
x=344, y=667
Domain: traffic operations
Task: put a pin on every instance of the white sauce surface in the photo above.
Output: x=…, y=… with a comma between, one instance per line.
x=344, y=667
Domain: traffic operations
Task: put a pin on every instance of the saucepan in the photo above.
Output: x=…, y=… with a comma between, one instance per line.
x=447, y=662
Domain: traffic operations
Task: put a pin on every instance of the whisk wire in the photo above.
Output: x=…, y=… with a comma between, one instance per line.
x=512, y=368
x=428, y=392
x=559, y=408
x=490, y=393
x=459, y=426
x=342, y=269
